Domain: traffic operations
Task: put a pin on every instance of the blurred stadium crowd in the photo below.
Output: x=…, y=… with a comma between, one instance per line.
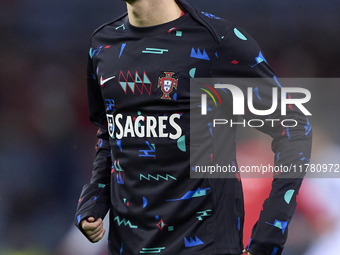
x=47, y=140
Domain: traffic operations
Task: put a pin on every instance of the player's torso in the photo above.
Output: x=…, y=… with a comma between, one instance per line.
x=145, y=84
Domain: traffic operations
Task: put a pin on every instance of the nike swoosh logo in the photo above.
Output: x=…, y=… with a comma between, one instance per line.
x=102, y=81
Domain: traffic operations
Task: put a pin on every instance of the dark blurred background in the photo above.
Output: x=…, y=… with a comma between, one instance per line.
x=47, y=140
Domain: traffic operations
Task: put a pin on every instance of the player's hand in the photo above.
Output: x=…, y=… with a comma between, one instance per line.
x=245, y=252
x=93, y=229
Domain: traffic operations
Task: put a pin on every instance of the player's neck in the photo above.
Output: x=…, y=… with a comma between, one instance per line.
x=147, y=13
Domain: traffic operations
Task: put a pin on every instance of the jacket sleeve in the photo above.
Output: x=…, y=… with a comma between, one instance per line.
x=95, y=196
x=240, y=56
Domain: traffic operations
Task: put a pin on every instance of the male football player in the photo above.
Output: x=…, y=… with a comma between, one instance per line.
x=139, y=72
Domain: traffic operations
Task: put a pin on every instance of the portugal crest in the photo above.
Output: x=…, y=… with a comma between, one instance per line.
x=167, y=84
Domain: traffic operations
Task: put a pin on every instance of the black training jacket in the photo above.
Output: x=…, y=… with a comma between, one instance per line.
x=138, y=95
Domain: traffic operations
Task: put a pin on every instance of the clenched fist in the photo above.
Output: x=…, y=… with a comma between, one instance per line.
x=93, y=229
